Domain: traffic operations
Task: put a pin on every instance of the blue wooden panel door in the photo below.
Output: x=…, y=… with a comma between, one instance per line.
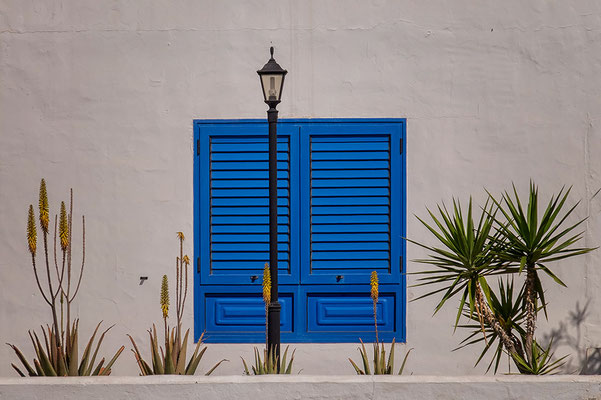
x=234, y=203
x=351, y=180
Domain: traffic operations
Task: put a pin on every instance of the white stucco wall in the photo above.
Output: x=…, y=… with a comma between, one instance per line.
x=100, y=96
x=302, y=387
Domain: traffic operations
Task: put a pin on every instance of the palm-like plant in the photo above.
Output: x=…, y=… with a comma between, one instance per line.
x=468, y=257
x=542, y=361
x=532, y=243
x=507, y=309
x=507, y=239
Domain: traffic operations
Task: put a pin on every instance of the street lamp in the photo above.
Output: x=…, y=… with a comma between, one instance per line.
x=272, y=82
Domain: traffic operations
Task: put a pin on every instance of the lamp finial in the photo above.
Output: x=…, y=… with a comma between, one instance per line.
x=271, y=51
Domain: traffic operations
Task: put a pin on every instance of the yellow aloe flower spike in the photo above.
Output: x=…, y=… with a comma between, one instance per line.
x=165, y=297
x=374, y=286
x=266, y=284
x=31, y=231
x=44, y=213
x=180, y=235
x=63, y=228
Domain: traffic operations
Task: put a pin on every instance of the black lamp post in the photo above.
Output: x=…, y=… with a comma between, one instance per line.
x=272, y=82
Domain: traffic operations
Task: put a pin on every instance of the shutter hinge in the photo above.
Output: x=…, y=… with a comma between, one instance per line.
x=401, y=264
x=401, y=146
x=197, y=147
x=198, y=264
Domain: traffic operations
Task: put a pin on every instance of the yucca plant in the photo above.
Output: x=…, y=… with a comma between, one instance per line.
x=57, y=354
x=542, y=362
x=170, y=359
x=532, y=243
x=381, y=366
x=506, y=240
x=269, y=364
x=508, y=310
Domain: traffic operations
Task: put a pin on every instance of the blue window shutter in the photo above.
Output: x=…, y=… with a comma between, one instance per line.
x=351, y=183
x=341, y=215
x=235, y=204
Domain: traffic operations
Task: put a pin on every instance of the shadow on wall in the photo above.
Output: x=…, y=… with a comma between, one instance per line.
x=584, y=360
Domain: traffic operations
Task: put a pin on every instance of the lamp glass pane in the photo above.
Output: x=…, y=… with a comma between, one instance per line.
x=272, y=85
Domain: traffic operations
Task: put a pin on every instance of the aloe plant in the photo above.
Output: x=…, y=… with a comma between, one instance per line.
x=54, y=360
x=269, y=364
x=506, y=240
x=381, y=366
x=170, y=359
x=57, y=354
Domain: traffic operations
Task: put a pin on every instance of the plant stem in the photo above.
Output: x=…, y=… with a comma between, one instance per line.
x=509, y=342
x=376, y=319
x=530, y=296
x=52, y=295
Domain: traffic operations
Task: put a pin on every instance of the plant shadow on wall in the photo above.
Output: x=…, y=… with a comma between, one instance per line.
x=508, y=239
x=57, y=347
x=171, y=359
x=568, y=333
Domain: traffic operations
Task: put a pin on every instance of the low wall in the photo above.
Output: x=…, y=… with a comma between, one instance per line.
x=568, y=387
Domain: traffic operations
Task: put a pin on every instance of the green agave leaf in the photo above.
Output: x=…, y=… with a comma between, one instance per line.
x=18, y=370
x=44, y=361
x=23, y=360
x=83, y=366
x=107, y=369
x=209, y=372
x=288, y=369
x=404, y=362
x=169, y=367
x=246, y=371
x=390, y=364
x=181, y=357
x=357, y=369
x=97, y=371
x=364, y=358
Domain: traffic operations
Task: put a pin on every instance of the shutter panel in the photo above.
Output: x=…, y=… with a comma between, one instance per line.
x=351, y=188
x=236, y=212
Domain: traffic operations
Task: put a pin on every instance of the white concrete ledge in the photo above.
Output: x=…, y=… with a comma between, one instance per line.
x=568, y=387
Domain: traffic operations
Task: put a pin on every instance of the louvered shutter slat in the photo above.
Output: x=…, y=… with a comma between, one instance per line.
x=351, y=185
x=238, y=204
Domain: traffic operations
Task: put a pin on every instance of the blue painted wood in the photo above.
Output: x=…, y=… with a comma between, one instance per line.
x=343, y=312
x=243, y=312
x=341, y=214
x=233, y=203
x=232, y=329
x=349, y=169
